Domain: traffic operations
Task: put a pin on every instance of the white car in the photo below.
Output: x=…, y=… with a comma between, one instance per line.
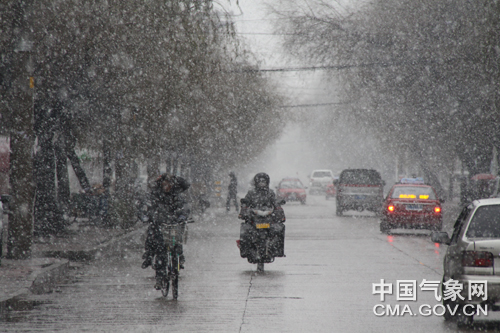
x=472, y=260
x=319, y=180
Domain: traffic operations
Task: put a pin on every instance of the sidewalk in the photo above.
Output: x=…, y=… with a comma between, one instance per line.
x=51, y=258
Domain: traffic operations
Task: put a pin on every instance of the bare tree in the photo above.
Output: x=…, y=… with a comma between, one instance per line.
x=423, y=74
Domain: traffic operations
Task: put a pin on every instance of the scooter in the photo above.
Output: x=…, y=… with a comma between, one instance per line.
x=262, y=235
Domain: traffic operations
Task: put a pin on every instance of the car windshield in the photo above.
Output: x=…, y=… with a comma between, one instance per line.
x=413, y=192
x=357, y=177
x=485, y=223
x=321, y=174
x=291, y=184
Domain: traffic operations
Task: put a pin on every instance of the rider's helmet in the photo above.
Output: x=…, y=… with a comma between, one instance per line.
x=261, y=181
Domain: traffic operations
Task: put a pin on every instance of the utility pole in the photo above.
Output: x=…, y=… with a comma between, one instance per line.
x=20, y=229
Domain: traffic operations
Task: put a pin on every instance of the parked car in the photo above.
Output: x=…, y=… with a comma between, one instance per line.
x=412, y=204
x=319, y=180
x=359, y=189
x=472, y=258
x=291, y=189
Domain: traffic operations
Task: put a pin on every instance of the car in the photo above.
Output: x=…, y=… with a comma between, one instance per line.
x=291, y=189
x=472, y=257
x=412, y=204
x=331, y=192
x=319, y=180
x=359, y=189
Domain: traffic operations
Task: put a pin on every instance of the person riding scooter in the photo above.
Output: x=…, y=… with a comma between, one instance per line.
x=259, y=199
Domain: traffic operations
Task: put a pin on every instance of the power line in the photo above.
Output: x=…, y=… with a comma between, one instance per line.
x=311, y=68
x=340, y=67
x=266, y=34
x=313, y=105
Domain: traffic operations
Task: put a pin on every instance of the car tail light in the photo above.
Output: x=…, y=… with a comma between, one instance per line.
x=477, y=259
x=391, y=208
x=437, y=209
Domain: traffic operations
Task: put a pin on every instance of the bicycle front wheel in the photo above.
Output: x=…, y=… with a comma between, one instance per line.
x=175, y=276
x=165, y=286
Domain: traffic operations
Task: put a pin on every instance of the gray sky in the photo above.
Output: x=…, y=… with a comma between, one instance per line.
x=295, y=154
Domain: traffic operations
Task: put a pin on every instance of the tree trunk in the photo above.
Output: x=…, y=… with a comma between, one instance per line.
x=63, y=191
x=20, y=229
x=48, y=218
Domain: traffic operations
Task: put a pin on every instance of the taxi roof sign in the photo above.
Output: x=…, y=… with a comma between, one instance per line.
x=416, y=180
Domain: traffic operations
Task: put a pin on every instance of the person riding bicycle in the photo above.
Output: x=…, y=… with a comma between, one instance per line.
x=166, y=205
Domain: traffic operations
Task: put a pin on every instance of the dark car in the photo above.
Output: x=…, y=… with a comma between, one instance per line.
x=412, y=204
x=359, y=189
x=291, y=189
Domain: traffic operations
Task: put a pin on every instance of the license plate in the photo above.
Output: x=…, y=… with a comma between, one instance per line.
x=360, y=197
x=414, y=207
x=262, y=225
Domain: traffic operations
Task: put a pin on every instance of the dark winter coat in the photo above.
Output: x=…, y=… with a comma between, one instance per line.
x=233, y=185
x=165, y=206
x=258, y=199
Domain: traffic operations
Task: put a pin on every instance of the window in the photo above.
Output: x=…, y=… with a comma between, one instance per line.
x=360, y=177
x=459, y=223
x=322, y=174
x=485, y=222
x=291, y=184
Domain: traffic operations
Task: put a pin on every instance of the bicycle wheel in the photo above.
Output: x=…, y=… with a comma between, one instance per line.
x=165, y=286
x=175, y=275
x=166, y=279
x=175, y=287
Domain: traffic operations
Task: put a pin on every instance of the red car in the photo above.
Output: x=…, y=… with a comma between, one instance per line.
x=291, y=189
x=330, y=191
x=412, y=204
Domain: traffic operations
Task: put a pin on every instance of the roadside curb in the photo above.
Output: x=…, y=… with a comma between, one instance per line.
x=42, y=278
x=90, y=253
x=47, y=271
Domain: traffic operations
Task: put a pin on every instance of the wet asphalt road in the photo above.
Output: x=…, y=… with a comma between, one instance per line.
x=323, y=285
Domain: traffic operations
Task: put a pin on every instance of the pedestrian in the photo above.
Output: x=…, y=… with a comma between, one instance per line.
x=232, y=191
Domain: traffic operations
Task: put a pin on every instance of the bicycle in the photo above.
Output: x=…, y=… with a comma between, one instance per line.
x=174, y=235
